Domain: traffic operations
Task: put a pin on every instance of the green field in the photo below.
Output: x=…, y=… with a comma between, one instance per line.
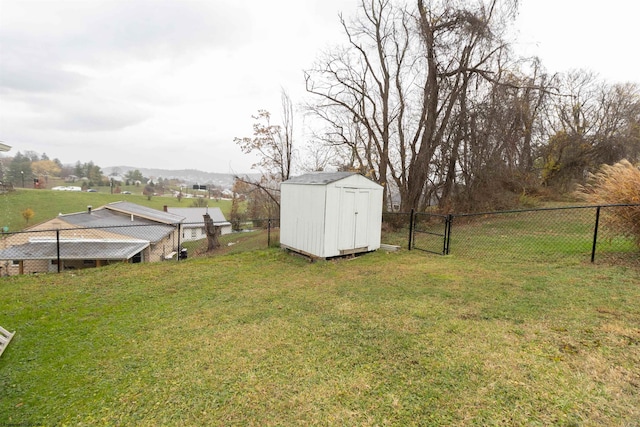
x=264, y=338
x=47, y=204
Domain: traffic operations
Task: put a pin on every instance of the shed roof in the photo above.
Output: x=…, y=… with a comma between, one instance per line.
x=319, y=178
x=74, y=249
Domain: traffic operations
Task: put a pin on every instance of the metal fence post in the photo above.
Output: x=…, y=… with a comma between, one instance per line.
x=269, y=233
x=411, y=229
x=179, y=242
x=595, y=235
x=58, y=249
x=447, y=234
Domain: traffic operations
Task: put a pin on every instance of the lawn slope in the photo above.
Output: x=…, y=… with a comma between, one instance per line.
x=265, y=338
x=47, y=204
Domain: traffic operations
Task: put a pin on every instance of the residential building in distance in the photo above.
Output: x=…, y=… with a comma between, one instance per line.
x=193, y=225
x=116, y=232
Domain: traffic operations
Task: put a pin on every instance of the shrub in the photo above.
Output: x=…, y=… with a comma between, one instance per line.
x=200, y=202
x=617, y=184
x=392, y=221
x=27, y=214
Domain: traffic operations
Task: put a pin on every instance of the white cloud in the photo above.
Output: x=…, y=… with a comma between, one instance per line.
x=170, y=83
x=577, y=34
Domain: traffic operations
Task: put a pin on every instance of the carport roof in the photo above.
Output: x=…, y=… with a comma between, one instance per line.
x=74, y=249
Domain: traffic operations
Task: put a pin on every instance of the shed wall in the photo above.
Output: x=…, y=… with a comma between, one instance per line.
x=315, y=218
x=302, y=219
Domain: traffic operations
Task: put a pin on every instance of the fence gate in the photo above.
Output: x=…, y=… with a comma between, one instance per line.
x=430, y=232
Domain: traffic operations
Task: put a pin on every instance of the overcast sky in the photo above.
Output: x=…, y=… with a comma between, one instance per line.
x=170, y=83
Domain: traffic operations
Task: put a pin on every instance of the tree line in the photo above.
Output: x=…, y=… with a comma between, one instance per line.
x=430, y=100
x=34, y=170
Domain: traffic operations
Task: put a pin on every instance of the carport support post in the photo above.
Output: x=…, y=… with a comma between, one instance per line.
x=58, y=249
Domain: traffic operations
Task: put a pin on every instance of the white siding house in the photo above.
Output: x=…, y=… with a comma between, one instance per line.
x=329, y=214
x=193, y=224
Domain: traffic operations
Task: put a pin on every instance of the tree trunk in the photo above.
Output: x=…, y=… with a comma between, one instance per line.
x=213, y=232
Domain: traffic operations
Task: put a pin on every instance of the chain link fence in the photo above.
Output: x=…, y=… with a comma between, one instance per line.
x=585, y=233
x=56, y=250
x=396, y=227
x=544, y=235
x=252, y=233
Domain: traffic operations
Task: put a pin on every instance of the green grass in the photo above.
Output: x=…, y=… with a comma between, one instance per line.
x=541, y=236
x=235, y=243
x=47, y=204
x=263, y=338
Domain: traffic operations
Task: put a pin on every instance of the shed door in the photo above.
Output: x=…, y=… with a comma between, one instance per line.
x=353, y=219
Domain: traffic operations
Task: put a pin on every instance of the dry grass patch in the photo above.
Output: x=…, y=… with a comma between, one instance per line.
x=617, y=184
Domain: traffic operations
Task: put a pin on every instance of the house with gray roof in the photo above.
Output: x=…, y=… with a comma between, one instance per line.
x=116, y=232
x=192, y=227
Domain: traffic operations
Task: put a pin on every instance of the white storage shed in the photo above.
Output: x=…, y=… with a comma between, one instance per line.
x=330, y=214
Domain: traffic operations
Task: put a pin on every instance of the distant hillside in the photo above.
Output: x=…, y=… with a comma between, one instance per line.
x=189, y=176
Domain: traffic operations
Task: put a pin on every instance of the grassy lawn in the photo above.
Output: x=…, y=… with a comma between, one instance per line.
x=265, y=338
x=236, y=243
x=47, y=204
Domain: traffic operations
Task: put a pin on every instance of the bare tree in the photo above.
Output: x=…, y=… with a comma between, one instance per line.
x=273, y=143
x=591, y=123
x=502, y=132
x=361, y=88
x=275, y=146
x=397, y=95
